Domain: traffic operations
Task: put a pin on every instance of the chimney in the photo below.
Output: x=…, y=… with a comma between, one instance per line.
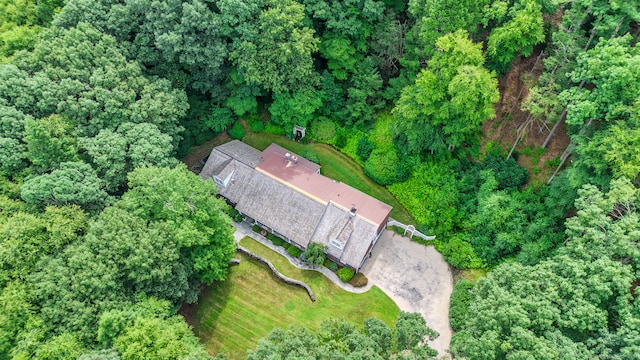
x=353, y=210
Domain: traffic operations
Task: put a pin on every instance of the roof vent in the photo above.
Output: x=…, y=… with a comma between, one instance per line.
x=353, y=210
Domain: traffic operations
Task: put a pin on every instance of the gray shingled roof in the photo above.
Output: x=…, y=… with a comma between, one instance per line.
x=241, y=152
x=278, y=205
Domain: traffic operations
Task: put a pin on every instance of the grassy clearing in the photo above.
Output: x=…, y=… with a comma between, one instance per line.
x=232, y=316
x=335, y=165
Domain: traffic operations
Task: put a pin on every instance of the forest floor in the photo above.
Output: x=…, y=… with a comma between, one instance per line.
x=202, y=151
x=514, y=89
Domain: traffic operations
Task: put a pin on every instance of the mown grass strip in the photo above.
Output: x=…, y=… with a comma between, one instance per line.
x=232, y=316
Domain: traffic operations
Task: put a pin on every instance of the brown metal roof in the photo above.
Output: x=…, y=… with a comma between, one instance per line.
x=302, y=175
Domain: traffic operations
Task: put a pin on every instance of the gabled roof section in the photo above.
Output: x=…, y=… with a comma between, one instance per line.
x=303, y=177
x=241, y=152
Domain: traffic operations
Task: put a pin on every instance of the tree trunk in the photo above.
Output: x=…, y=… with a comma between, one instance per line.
x=563, y=159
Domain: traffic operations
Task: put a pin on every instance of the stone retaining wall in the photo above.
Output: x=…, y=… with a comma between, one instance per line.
x=287, y=280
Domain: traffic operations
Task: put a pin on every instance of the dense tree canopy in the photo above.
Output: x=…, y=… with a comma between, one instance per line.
x=339, y=339
x=449, y=101
x=103, y=235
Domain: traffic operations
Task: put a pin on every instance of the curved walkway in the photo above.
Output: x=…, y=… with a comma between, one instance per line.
x=416, y=277
x=243, y=229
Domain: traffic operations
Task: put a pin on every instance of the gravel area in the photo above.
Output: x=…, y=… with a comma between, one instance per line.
x=417, y=278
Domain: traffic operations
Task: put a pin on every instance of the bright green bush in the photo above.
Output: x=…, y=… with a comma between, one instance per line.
x=459, y=304
x=256, y=125
x=236, y=131
x=345, y=274
x=323, y=129
x=294, y=251
x=385, y=167
x=460, y=254
x=255, y=228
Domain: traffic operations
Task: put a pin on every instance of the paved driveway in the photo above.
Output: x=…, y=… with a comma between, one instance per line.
x=417, y=278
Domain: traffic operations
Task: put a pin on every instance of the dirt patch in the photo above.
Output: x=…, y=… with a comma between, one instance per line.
x=202, y=151
x=514, y=88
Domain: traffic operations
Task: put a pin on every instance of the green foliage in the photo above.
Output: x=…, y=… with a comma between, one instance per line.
x=314, y=254
x=185, y=203
x=459, y=303
x=158, y=338
x=219, y=119
x=73, y=183
x=332, y=266
x=236, y=131
x=411, y=330
x=289, y=109
x=517, y=36
x=256, y=125
x=275, y=49
x=294, y=251
x=345, y=274
x=450, y=99
x=507, y=173
x=26, y=238
x=385, y=167
x=21, y=22
x=365, y=147
x=460, y=254
x=430, y=194
x=310, y=155
x=49, y=142
x=115, y=154
x=340, y=339
x=276, y=240
x=564, y=305
x=323, y=129
x=102, y=88
x=255, y=228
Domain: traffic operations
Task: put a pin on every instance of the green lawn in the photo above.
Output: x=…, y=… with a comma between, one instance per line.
x=233, y=315
x=335, y=165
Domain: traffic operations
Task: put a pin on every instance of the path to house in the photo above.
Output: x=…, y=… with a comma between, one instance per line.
x=417, y=278
x=243, y=229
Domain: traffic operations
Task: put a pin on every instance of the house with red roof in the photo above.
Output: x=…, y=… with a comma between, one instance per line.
x=286, y=194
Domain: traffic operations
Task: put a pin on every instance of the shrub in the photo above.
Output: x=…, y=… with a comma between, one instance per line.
x=365, y=147
x=333, y=266
x=279, y=241
x=340, y=139
x=256, y=125
x=255, y=228
x=310, y=155
x=459, y=254
x=323, y=129
x=314, y=254
x=459, y=304
x=294, y=251
x=384, y=167
x=236, y=131
x=345, y=274
x=359, y=280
